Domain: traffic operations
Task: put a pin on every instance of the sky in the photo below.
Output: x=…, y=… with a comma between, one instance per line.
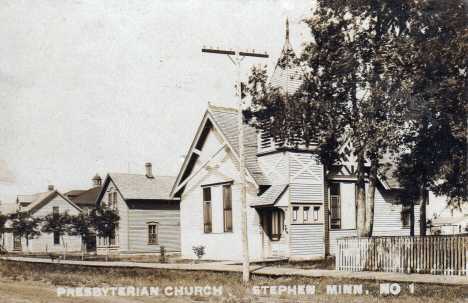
x=92, y=87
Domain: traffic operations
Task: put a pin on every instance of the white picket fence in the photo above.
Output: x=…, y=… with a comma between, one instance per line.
x=445, y=255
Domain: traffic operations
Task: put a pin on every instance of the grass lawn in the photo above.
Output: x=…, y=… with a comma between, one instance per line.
x=233, y=288
x=328, y=263
x=142, y=258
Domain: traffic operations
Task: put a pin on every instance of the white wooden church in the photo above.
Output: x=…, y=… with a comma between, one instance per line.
x=296, y=209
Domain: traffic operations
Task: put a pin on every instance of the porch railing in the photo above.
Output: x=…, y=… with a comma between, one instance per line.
x=445, y=255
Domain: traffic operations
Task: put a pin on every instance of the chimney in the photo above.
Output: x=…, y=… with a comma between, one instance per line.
x=51, y=187
x=149, y=173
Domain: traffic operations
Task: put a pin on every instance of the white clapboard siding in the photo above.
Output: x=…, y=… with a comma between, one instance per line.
x=122, y=209
x=387, y=215
x=274, y=166
x=306, y=185
x=45, y=242
x=387, y=219
x=224, y=245
x=307, y=240
x=306, y=193
x=168, y=228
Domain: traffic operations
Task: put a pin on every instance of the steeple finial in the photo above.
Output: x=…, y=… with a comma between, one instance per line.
x=287, y=28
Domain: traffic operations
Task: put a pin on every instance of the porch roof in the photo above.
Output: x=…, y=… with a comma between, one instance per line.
x=270, y=196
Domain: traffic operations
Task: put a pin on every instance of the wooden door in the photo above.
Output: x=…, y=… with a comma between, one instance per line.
x=16, y=241
x=277, y=237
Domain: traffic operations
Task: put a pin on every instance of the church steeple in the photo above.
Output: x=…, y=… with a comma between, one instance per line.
x=288, y=74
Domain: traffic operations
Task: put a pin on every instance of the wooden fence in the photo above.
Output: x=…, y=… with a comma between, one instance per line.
x=445, y=255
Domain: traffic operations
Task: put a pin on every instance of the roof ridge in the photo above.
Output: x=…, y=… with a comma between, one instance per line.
x=223, y=109
x=139, y=175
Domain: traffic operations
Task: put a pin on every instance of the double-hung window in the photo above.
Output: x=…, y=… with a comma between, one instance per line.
x=335, y=206
x=295, y=213
x=406, y=216
x=55, y=215
x=113, y=200
x=207, y=209
x=227, y=199
x=306, y=213
x=153, y=233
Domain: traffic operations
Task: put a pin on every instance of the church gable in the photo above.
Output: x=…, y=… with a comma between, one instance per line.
x=210, y=148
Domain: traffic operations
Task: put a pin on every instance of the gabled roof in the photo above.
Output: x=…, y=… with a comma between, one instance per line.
x=44, y=198
x=22, y=199
x=88, y=197
x=225, y=121
x=29, y=199
x=8, y=208
x=288, y=74
x=140, y=187
x=270, y=196
x=74, y=193
x=387, y=165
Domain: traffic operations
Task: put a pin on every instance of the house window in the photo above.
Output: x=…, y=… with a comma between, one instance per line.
x=295, y=211
x=55, y=214
x=207, y=209
x=306, y=213
x=112, y=238
x=277, y=220
x=227, y=198
x=316, y=213
x=335, y=206
x=113, y=200
x=406, y=216
x=153, y=233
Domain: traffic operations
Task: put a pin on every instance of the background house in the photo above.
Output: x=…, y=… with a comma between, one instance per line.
x=445, y=220
x=6, y=235
x=149, y=217
x=86, y=199
x=40, y=205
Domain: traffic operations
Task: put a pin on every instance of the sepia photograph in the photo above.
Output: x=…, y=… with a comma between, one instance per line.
x=234, y=151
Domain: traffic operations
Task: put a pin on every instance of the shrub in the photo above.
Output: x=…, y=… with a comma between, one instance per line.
x=199, y=251
x=162, y=252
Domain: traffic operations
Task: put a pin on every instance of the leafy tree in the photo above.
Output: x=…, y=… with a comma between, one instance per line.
x=359, y=86
x=80, y=225
x=57, y=224
x=435, y=140
x=3, y=221
x=105, y=222
x=27, y=227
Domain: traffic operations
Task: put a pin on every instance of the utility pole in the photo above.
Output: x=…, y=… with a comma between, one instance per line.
x=237, y=61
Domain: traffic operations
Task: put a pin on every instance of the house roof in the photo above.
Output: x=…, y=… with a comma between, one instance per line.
x=226, y=119
x=288, y=74
x=75, y=192
x=43, y=198
x=88, y=197
x=8, y=208
x=140, y=187
x=31, y=199
x=270, y=196
x=389, y=165
x=26, y=198
x=449, y=220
